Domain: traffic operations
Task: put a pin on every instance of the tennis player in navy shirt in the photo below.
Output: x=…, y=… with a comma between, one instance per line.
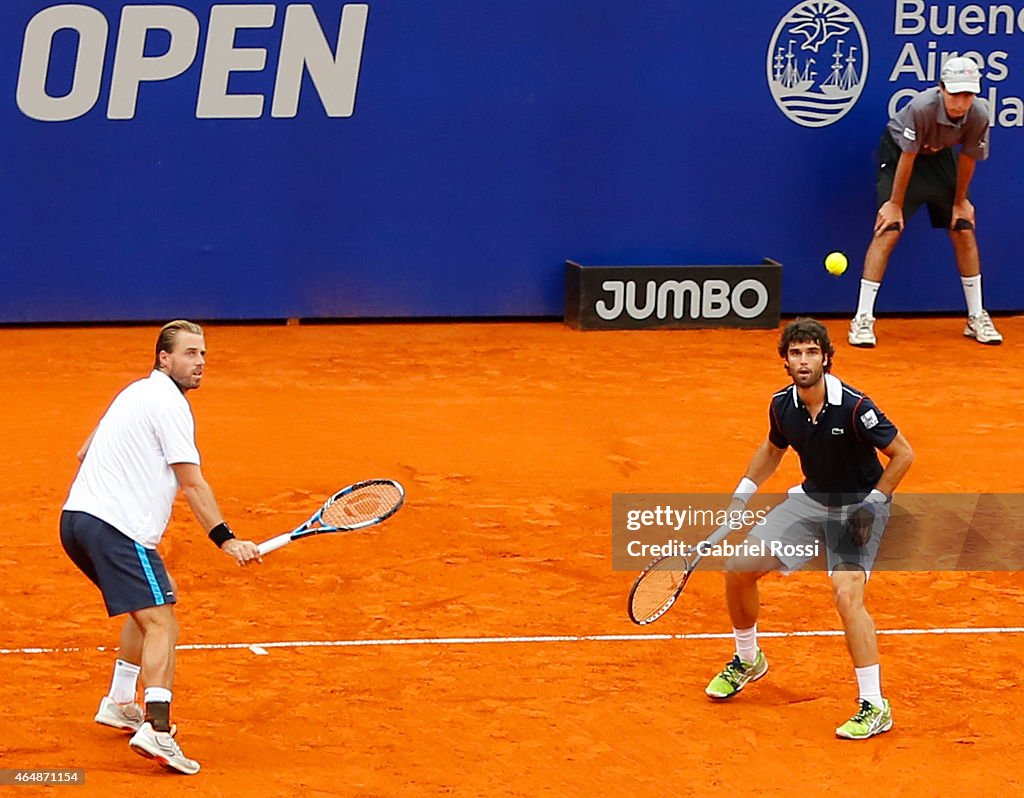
x=842, y=503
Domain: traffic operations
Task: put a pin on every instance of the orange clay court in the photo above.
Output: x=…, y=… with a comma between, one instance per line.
x=510, y=439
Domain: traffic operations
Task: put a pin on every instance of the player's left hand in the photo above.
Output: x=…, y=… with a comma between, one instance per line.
x=860, y=523
x=861, y=520
x=962, y=210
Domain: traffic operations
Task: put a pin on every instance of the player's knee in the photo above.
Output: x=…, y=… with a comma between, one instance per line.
x=158, y=621
x=741, y=570
x=962, y=238
x=849, y=597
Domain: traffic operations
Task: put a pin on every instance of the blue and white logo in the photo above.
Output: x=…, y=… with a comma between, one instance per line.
x=817, y=62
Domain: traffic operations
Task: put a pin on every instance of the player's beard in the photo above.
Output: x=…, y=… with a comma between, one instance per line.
x=808, y=380
x=187, y=381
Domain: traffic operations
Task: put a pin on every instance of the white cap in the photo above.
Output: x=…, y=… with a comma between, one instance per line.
x=961, y=74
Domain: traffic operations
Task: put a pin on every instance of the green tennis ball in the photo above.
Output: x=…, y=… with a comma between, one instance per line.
x=836, y=263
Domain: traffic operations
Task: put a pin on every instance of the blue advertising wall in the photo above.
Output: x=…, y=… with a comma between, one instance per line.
x=233, y=160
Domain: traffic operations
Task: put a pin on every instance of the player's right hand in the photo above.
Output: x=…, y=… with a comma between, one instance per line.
x=244, y=552
x=888, y=215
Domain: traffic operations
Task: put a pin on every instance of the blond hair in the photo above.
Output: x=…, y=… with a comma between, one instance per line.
x=168, y=334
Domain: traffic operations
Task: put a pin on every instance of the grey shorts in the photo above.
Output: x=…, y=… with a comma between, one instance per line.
x=801, y=529
x=130, y=576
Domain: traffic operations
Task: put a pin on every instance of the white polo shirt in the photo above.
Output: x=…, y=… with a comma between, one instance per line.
x=126, y=478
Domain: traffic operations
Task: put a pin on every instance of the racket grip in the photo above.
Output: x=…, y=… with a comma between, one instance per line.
x=274, y=544
x=719, y=535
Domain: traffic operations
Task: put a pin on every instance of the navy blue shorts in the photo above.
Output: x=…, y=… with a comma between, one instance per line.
x=130, y=576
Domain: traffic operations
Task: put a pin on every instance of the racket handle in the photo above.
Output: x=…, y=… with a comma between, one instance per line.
x=719, y=535
x=274, y=544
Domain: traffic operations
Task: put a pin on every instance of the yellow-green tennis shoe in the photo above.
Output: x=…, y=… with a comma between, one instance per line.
x=869, y=721
x=736, y=675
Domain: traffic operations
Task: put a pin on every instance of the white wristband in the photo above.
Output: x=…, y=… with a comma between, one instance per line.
x=745, y=490
x=876, y=497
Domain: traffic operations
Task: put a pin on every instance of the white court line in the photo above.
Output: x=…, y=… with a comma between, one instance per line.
x=258, y=648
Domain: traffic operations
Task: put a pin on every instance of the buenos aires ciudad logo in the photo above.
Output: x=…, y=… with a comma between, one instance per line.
x=817, y=62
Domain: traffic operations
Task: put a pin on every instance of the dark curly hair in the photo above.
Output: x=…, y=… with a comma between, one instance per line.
x=805, y=330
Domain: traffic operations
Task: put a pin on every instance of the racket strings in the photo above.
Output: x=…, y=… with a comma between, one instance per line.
x=365, y=503
x=658, y=588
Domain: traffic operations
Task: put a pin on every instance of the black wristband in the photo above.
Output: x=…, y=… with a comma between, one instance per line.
x=221, y=534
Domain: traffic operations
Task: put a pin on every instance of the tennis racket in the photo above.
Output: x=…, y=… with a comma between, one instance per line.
x=355, y=507
x=662, y=581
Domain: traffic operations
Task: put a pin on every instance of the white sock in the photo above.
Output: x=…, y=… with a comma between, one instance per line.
x=972, y=293
x=866, y=299
x=157, y=694
x=869, y=683
x=746, y=643
x=124, y=683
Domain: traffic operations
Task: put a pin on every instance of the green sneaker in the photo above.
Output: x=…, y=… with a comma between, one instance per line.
x=735, y=676
x=869, y=721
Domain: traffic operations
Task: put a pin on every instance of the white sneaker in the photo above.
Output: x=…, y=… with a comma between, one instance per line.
x=982, y=330
x=162, y=747
x=126, y=717
x=862, y=331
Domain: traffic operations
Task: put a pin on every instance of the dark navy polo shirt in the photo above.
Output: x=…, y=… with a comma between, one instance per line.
x=838, y=449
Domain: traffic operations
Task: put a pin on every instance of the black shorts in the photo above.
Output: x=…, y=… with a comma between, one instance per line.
x=932, y=183
x=130, y=576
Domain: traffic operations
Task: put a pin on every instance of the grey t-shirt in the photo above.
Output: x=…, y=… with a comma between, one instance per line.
x=922, y=126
